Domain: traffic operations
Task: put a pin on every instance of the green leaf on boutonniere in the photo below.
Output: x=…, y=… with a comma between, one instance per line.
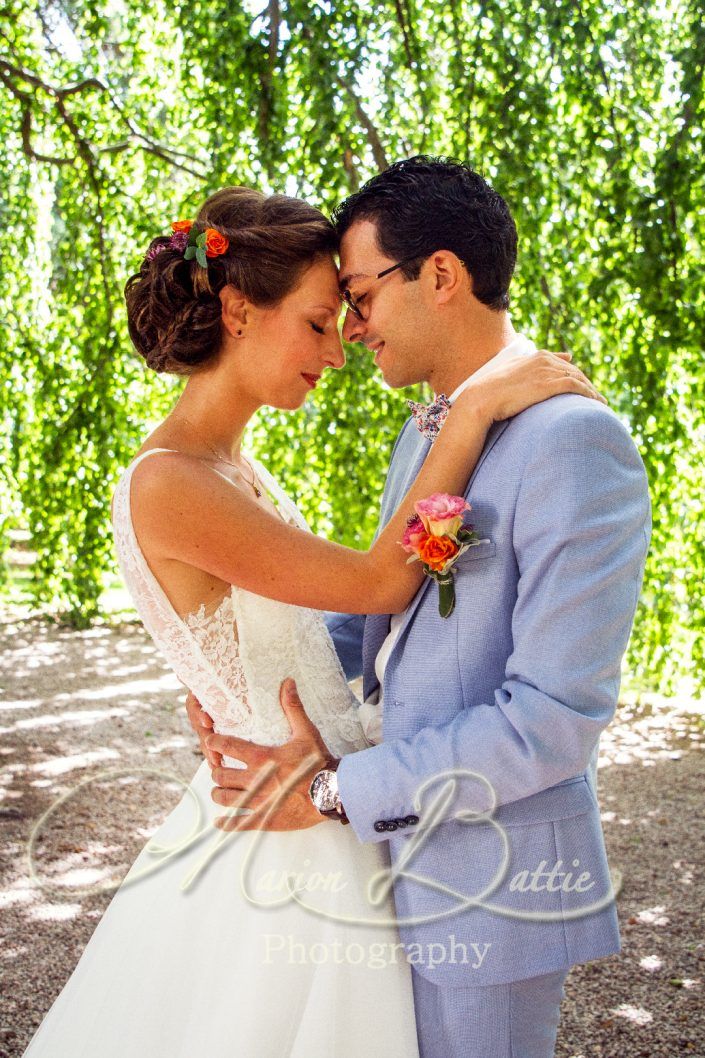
x=201, y=240
x=446, y=589
x=189, y=253
x=446, y=596
x=465, y=535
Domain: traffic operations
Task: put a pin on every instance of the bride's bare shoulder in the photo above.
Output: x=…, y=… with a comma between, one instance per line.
x=167, y=476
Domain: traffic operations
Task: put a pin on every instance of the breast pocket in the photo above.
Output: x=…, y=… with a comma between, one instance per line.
x=486, y=549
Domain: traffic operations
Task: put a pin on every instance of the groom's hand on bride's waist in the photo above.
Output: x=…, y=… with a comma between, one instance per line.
x=202, y=724
x=274, y=785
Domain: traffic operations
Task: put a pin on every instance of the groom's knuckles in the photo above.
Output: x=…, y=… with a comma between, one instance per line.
x=231, y=778
x=218, y=776
x=230, y=746
x=228, y=798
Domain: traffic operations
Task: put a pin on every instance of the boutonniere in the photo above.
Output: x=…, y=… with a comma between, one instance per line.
x=437, y=538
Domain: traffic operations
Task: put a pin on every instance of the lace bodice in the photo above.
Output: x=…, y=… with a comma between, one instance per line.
x=235, y=658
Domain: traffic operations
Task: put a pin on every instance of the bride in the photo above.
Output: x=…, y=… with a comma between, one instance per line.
x=251, y=943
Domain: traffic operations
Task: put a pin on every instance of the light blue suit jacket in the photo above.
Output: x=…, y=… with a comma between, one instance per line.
x=513, y=688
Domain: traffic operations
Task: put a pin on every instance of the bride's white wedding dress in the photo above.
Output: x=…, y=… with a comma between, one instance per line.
x=203, y=951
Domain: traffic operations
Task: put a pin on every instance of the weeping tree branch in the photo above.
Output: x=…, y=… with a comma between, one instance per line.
x=375, y=142
x=351, y=169
x=8, y=70
x=266, y=100
x=605, y=78
x=96, y=179
x=412, y=52
x=401, y=19
x=158, y=152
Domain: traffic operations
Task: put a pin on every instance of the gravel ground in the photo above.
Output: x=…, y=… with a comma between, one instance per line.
x=76, y=705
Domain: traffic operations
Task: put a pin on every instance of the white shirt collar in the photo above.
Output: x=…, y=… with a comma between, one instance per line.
x=519, y=344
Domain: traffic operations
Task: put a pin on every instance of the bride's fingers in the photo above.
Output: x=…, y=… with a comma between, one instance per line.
x=575, y=384
x=576, y=375
x=587, y=385
x=563, y=354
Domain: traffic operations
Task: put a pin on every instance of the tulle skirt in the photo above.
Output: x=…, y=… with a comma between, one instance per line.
x=240, y=945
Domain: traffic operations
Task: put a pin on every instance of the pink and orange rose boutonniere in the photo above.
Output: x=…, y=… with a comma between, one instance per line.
x=436, y=537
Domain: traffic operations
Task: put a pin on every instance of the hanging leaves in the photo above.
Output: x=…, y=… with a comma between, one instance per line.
x=587, y=117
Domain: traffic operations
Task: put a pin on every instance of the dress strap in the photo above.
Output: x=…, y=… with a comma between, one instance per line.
x=149, y=452
x=282, y=501
x=281, y=498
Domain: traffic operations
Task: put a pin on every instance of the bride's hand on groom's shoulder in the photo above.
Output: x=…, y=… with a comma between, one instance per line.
x=515, y=384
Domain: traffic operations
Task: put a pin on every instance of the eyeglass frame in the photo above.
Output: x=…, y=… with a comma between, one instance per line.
x=347, y=298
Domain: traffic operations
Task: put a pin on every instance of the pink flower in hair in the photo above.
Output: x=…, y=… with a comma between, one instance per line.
x=179, y=240
x=154, y=250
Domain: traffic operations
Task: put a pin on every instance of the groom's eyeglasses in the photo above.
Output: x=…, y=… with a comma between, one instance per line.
x=353, y=302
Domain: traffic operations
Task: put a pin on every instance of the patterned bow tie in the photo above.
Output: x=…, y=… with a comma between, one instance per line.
x=429, y=418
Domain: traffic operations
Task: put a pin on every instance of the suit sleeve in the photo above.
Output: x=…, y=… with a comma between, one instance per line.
x=581, y=532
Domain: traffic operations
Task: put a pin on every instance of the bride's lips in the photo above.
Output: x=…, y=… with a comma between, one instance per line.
x=311, y=379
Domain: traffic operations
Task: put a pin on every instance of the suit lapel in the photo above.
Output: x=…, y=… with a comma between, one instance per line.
x=495, y=432
x=410, y=453
x=413, y=450
x=401, y=475
x=376, y=631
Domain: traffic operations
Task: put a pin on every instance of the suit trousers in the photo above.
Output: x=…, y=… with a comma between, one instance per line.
x=514, y=1020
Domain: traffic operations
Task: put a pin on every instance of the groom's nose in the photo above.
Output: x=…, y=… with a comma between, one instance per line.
x=353, y=328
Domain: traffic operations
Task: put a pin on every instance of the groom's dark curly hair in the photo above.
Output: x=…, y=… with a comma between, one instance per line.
x=423, y=204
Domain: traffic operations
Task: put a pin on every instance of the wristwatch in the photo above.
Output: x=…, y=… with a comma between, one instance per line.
x=323, y=792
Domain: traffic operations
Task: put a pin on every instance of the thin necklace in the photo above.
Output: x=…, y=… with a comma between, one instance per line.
x=222, y=459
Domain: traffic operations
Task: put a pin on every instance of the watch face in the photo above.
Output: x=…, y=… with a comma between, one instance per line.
x=324, y=791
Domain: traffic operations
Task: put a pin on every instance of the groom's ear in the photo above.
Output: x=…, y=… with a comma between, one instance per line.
x=234, y=309
x=449, y=275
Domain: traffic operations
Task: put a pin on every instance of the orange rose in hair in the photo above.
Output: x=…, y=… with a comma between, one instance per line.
x=435, y=551
x=182, y=225
x=216, y=244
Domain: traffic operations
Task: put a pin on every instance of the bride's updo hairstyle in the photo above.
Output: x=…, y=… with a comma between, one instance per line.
x=173, y=308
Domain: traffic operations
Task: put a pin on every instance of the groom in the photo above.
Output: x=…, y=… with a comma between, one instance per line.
x=492, y=717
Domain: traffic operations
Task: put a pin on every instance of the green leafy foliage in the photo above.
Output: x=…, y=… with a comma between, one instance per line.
x=118, y=117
